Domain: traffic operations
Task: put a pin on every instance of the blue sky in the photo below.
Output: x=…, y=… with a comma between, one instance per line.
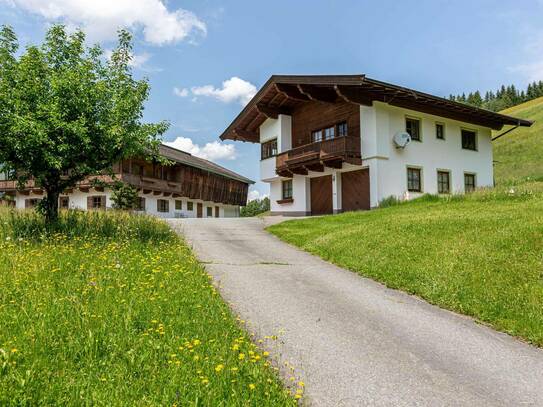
x=188, y=49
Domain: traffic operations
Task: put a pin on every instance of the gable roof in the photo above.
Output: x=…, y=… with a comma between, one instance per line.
x=183, y=157
x=282, y=93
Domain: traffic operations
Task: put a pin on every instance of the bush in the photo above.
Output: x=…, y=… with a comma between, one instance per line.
x=255, y=207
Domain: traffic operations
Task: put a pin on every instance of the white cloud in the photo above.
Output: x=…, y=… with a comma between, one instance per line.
x=181, y=92
x=210, y=151
x=255, y=194
x=102, y=18
x=233, y=89
x=532, y=72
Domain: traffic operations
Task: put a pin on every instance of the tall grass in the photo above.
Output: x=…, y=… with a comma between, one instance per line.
x=112, y=309
x=102, y=224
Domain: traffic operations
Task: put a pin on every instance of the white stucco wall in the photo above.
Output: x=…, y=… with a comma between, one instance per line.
x=280, y=129
x=388, y=165
x=78, y=200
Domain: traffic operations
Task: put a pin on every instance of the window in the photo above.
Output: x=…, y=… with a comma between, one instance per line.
x=440, y=131
x=469, y=182
x=190, y=206
x=137, y=169
x=469, y=140
x=287, y=189
x=412, y=126
x=217, y=211
x=329, y=133
x=268, y=149
x=162, y=205
x=96, y=202
x=64, y=202
x=209, y=211
x=32, y=202
x=443, y=182
x=178, y=205
x=342, y=130
x=316, y=136
x=140, y=204
x=414, y=180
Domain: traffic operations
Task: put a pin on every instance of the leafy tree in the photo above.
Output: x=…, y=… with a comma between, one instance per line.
x=67, y=113
x=124, y=196
x=255, y=207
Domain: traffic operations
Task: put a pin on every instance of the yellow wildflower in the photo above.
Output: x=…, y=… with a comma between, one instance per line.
x=218, y=368
x=252, y=386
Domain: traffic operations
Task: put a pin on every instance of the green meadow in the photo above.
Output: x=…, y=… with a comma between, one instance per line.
x=111, y=309
x=480, y=254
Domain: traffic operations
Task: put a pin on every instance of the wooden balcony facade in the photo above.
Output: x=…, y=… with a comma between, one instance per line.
x=160, y=180
x=316, y=156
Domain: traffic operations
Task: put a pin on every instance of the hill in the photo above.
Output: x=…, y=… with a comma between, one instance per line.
x=519, y=154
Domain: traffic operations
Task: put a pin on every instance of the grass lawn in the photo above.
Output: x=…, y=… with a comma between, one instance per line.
x=519, y=154
x=115, y=310
x=481, y=255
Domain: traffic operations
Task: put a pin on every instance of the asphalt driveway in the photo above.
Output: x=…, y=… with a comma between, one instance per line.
x=353, y=341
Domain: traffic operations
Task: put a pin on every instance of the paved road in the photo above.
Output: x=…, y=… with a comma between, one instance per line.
x=353, y=341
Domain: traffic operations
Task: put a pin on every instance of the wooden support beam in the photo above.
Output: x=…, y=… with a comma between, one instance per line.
x=353, y=95
x=175, y=195
x=99, y=189
x=335, y=163
x=319, y=94
x=315, y=167
x=299, y=170
x=291, y=91
x=37, y=191
x=84, y=189
x=246, y=135
x=24, y=192
x=167, y=193
x=157, y=193
x=271, y=112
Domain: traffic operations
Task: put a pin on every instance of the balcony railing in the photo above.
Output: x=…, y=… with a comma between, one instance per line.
x=339, y=148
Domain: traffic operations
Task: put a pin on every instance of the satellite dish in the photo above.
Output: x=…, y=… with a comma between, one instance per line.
x=401, y=139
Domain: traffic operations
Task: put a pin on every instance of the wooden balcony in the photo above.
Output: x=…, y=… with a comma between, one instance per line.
x=315, y=156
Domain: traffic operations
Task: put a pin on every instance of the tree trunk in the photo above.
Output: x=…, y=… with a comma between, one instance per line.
x=51, y=206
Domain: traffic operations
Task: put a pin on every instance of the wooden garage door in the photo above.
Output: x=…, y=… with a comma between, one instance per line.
x=321, y=195
x=199, y=210
x=355, y=190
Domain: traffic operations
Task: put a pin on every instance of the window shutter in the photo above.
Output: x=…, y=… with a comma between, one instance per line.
x=103, y=202
x=89, y=202
x=27, y=203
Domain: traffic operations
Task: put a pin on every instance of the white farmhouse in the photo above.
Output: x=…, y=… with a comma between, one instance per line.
x=331, y=144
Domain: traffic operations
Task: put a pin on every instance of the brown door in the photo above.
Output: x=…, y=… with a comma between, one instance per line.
x=355, y=190
x=216, y=211
x=199, y=210
x=321, y=195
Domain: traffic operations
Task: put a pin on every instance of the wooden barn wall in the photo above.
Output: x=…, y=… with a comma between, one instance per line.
x=317, y=115
x=195, y=183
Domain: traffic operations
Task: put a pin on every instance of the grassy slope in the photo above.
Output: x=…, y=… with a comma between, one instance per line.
x=520, y=154
x=479, y=255
x=126, y=320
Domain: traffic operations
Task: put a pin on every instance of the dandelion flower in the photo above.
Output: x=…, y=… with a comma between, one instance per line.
x=241, y=356
x=218, y=368
x=252, y=386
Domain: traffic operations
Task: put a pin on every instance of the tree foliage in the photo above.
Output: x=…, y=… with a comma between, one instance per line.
x=255, y=207
x=66, y=112
x=503, y=98
x=124, y=196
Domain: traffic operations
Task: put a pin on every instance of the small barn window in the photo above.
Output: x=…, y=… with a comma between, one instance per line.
x=178, y=205
x=268, y=149
x=287, y=189
x=469, y=140
x=209, y=211
x=414, y=180
x=440, y=131
x=64, y=202
x=162, y=205
x=469, y=182
x=190, y=206
x=443, y=182
x=412, y=126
